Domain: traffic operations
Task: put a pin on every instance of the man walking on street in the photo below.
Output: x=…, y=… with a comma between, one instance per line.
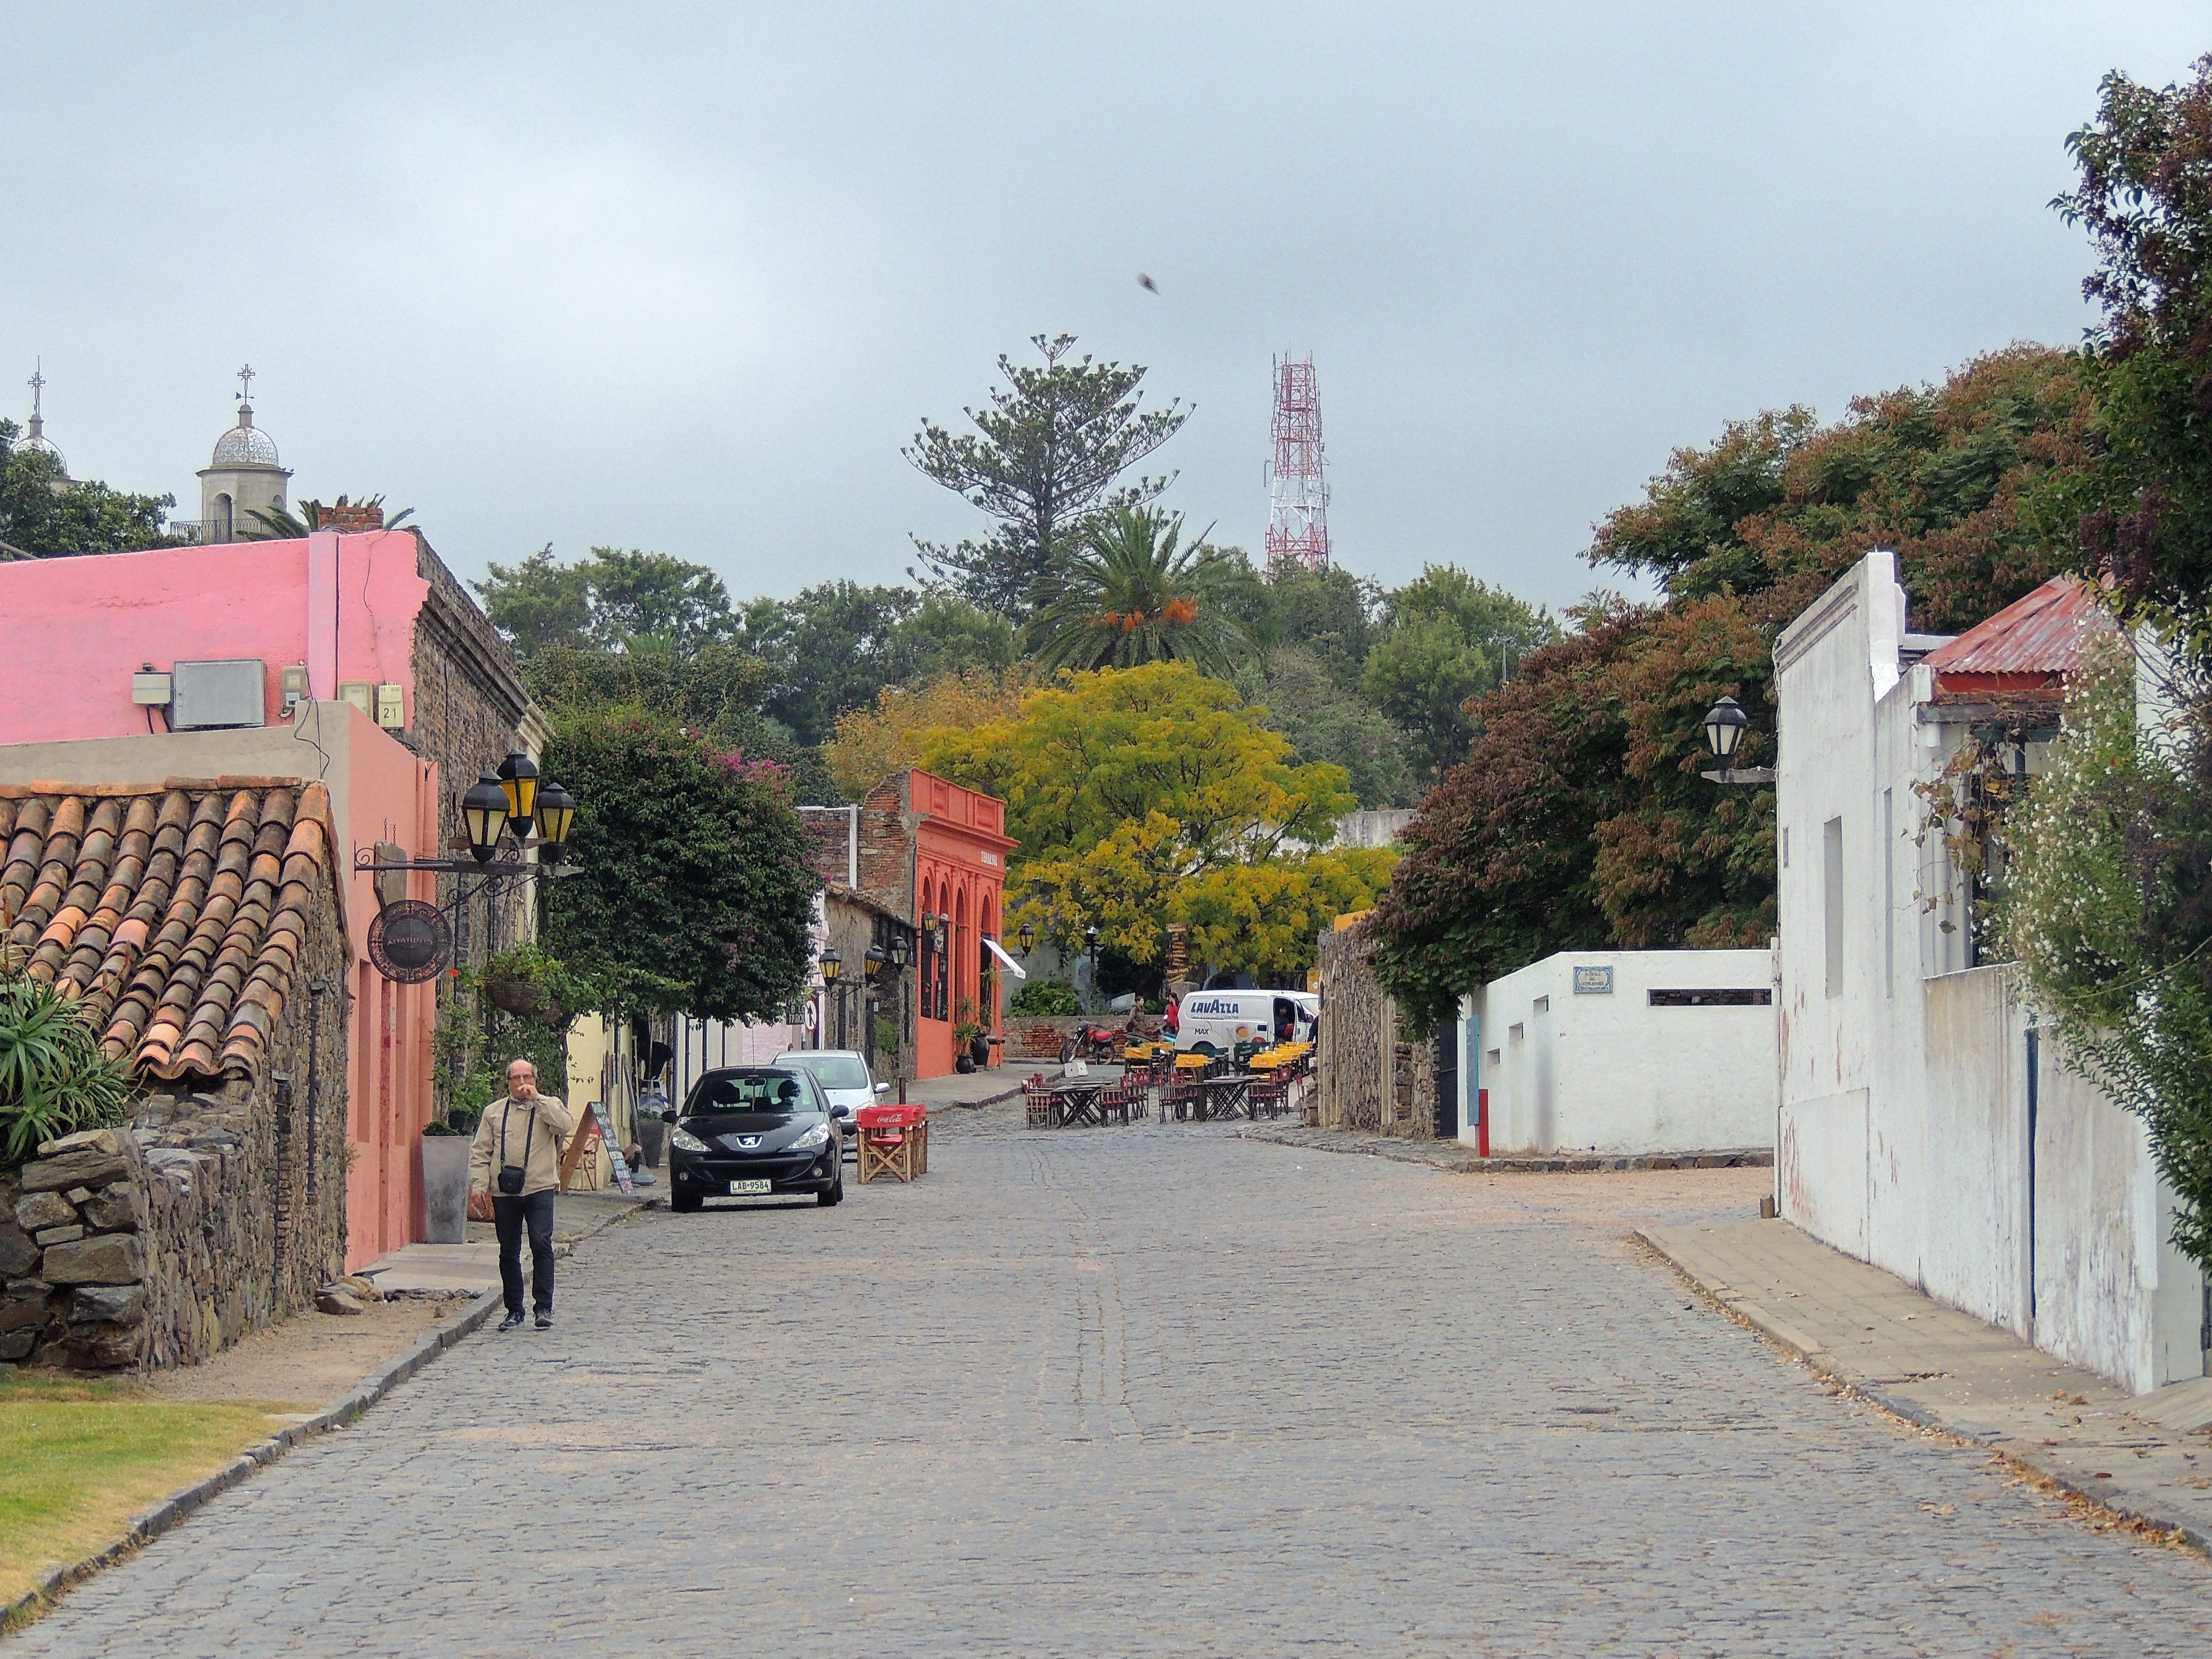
x=517, y=1160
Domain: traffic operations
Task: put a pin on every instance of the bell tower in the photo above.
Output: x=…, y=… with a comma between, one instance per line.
x=243, y=478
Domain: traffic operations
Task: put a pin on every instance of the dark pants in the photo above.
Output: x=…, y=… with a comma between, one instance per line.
x=510, y=1216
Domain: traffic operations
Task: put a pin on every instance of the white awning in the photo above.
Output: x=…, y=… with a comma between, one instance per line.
x=1012, y=967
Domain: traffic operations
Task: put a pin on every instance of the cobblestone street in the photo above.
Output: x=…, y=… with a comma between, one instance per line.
x=1144, y=1391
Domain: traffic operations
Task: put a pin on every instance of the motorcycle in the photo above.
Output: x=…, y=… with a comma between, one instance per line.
x=1089, y=1042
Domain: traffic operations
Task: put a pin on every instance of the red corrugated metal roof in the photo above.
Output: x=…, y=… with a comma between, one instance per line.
x=2030, y=645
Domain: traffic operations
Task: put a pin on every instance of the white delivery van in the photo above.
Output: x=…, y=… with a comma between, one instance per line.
x=1215, y=1022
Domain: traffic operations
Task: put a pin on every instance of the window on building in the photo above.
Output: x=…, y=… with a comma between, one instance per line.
x=1759, y=996
x=1831, y=882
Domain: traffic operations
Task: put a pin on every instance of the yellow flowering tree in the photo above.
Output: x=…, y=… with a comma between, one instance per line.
x=1151, y=795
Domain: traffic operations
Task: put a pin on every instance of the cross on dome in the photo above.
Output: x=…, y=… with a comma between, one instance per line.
x=245, y=444
x=34, y=435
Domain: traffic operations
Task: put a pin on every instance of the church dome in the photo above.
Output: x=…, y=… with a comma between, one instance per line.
x=36, y=441
x=245, y=444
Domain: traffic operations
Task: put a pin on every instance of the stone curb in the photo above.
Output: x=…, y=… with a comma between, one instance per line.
x=2109, y=1495
x=1416, y=1151
x=152, y=1521
x=563, y=1248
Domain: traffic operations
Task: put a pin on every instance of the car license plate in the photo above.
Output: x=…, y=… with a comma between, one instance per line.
x=748, y=1188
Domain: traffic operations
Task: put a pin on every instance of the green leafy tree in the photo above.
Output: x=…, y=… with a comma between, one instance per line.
x=1326, y=721
x=2107, y=901
x=2144, y=512
x=1447, y=638
x=2107, y=906
x=946, y=635
x=1048, y=452
x=715, y=691
x=1331, y=614
x=1134, y=594
x=614, y=599
x=1497, y=867
x=831, y=649
x=1955, y=476
x=45, y=515
x=1577, y=820
x=696, y=893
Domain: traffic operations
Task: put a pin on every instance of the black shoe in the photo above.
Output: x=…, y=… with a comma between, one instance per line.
x=544, y=1320
x=513, y=1322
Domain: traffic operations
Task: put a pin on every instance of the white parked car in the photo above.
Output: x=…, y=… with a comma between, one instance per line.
x=843, y=1075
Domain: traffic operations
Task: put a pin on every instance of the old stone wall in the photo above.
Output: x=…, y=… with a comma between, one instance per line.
x=210, y=1213
x=1370, y=1072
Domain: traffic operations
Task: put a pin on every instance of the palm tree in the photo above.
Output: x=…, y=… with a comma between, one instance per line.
x=1132, y=594
x=279, y=523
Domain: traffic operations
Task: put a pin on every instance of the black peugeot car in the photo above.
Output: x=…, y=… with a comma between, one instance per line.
x=754, y=1131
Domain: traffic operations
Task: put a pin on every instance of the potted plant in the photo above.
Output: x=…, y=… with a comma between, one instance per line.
x=527, y=981
x=970, y=1037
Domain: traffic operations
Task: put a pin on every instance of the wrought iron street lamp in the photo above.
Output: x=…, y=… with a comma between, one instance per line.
x=511, y=800
x=483, y=812
x=517, y=781
x=1725, y=723
x=1028, y=937
x=872, y=963
x=898, y=952
x=556, y=815
x=832, y=964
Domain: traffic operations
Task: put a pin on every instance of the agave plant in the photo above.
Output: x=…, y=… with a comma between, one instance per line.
x=54, y=1080
x=1135, y=594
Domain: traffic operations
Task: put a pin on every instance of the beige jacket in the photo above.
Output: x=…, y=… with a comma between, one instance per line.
x=541, y=1169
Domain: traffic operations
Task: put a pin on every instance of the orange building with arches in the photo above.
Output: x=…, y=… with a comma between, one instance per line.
x=933, y=855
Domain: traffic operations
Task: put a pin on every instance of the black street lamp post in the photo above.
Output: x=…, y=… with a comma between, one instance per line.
x=1725, y=725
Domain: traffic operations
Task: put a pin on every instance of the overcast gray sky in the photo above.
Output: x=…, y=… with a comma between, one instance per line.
x=685, y=278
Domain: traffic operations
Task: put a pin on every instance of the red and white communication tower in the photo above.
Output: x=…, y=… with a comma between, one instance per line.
x=1297, y=518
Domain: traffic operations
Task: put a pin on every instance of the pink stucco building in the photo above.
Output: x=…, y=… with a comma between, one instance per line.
x=400, y=694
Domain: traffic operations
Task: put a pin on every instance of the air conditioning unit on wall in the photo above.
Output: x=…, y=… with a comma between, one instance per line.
x=211, y=696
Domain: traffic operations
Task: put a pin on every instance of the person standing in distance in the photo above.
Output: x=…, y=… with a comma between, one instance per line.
x=516, y=1158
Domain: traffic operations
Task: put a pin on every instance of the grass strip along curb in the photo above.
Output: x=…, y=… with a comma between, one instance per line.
x=1804, y=1349
x=152, y=1521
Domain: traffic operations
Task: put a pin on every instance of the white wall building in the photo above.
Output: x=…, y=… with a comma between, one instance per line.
x=1623, y=1052
x=1925, y=1126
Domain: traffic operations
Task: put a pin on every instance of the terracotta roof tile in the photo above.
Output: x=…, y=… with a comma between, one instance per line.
x=176, y=913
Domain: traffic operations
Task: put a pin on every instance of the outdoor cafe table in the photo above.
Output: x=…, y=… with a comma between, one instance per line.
x=1223, y=1097
x=1079, y=1102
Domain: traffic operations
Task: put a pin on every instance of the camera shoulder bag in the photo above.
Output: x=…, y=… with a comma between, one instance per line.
x=511, y=1176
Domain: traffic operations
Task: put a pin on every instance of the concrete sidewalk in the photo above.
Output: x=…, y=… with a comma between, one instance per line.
x=474, y=1267
x=2147, y=1456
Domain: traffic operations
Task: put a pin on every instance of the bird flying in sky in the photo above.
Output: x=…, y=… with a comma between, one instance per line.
x=1147, y=283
